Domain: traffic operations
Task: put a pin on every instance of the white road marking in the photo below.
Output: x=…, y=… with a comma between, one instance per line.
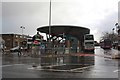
x=18, y=64
x=11, y=65
x=31, y=68
x=83, y=68
x=116, y=71
x=6, y=65
x=55, y=70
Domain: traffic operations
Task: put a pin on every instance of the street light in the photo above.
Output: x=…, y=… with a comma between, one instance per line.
x=118, y=31
x=22, y=27
x=49, y=21
x=113, y=30
x=49, y=24
x=113, y=34
x=117, y=28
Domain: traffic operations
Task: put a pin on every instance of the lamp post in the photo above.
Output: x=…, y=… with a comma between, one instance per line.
x=113, y=35
x=113, y=30
x=117, y=28
x=50, y=44
x=22, y=27
x=50, y=25
x=49, y=21
x=118, y=31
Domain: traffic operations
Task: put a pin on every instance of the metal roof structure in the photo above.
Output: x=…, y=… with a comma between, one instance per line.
x=75, y=31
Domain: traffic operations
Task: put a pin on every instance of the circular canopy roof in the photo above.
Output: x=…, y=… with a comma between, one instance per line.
x=75, y=31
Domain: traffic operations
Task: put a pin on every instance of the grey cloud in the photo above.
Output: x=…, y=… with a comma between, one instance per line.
x=30, y=15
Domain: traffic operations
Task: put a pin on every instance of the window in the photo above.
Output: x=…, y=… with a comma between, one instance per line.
x=16, y=36
x=89, y=37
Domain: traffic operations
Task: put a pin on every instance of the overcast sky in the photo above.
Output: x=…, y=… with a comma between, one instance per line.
x=97, y=15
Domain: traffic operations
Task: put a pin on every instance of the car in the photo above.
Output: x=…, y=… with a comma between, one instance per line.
x=15, y=49
x=118, y=46
x=116, y=56
x=115, y=45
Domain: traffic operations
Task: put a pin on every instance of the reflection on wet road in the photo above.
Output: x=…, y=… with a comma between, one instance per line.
x=87, y=66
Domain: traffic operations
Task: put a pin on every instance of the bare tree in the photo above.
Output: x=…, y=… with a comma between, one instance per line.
x=112, y=36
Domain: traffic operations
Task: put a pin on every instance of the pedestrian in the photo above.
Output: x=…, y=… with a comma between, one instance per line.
x=19, y=51
x=2, y=48
x=42, y=48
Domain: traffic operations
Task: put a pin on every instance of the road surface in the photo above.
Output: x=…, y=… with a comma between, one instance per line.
x=102, y=66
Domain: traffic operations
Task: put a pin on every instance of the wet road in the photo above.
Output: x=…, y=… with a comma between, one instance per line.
x=100, y=65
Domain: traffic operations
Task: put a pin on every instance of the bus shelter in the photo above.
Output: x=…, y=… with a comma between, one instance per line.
x=64, y=38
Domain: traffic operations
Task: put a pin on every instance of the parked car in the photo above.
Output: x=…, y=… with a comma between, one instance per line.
x=116, y=56
x=115, y=45
x=15, y=49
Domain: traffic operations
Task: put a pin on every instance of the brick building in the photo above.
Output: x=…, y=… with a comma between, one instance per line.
x=13, y=40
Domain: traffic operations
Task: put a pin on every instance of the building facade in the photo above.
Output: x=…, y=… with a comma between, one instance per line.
x=13, y=40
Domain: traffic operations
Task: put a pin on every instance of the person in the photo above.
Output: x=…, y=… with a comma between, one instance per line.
x=42, y=48
x=36, y=43
x=2, y=48
x=19, y=51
